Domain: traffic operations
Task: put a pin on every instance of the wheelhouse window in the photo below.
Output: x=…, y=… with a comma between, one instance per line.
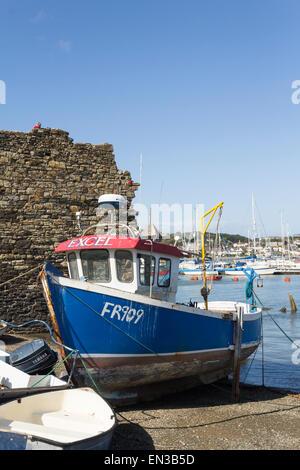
x=164, y=272
x=73, y=267
x=146, y=269
x=124, y=265
x=95, y=265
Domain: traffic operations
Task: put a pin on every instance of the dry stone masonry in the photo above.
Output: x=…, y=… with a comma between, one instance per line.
x=45, y=178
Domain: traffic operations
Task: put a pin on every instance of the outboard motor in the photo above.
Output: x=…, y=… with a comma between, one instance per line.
x=35, y=357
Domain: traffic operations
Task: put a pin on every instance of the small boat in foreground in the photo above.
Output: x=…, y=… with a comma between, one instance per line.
x=15, y=383
x=118, y=309
x=77, y=419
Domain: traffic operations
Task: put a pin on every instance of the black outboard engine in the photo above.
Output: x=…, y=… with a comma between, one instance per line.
x=34, y=358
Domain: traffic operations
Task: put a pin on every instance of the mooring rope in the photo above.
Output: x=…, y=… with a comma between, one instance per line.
x=281, y=329
x=160, y=356
x=72, y=351
x=22, y=325
x=53, y=370
x=21, y=275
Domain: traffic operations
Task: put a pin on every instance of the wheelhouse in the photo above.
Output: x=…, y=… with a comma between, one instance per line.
x=126, y=264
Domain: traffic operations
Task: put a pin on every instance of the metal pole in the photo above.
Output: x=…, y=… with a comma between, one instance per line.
x=204, y=291
x=238, y=328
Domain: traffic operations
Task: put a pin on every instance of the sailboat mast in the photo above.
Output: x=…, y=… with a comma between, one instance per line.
x=254, y=226
x=141, y=170
x=288, y=241
x=282, y=235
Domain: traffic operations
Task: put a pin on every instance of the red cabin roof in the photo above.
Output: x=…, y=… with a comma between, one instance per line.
x=109, y=242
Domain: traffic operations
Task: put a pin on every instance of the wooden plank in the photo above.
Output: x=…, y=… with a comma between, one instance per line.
x=237, y=354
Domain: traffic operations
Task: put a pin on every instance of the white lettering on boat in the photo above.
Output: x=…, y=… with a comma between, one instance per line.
x=89, y=242
x=124, y=313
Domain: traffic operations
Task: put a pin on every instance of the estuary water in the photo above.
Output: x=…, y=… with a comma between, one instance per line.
x=276, y=363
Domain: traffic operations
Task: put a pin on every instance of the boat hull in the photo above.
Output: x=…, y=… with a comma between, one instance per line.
x=125, y=382
x=132, y=345
x=259, y=271
x=16, y=384
x=18, y=441
x=190, y=272
x=77, y=419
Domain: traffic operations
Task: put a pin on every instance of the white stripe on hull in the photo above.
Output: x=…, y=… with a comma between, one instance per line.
x=230, y=348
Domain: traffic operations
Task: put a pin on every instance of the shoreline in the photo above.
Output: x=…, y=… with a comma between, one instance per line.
x=203, y=418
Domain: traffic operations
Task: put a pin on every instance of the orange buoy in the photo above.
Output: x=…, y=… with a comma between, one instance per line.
x=194, y=278
x=235, y=278
x=287, y=279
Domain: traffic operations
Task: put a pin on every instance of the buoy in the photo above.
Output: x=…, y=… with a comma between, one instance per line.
x=287, y=279
x=235, y=278
x=293, y=305
x=283, y=309
x=194, y=278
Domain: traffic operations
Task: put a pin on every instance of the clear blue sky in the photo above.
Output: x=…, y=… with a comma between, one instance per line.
x=201, y=87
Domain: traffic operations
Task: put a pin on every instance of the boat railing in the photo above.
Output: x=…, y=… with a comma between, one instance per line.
x=113, y=229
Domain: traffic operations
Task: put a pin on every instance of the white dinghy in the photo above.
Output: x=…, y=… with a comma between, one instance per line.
x=15, y=383
x=75, y=419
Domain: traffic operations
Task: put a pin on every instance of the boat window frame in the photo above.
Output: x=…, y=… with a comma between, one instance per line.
x=76, y=264
x=116, y=266
x=97, y=250
x=139, y=256
x=169, y=283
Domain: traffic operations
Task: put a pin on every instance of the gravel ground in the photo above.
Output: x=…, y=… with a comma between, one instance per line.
x=204, y=418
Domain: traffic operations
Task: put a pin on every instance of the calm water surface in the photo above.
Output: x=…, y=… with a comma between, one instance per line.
x=277, y=361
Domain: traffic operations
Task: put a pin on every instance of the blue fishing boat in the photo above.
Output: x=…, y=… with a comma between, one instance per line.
x=118, y=308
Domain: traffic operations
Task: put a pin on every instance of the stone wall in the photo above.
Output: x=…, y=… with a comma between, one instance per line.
x=45, y=179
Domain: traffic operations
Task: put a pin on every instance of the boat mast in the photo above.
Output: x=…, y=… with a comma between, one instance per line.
x=249, y=243
x=288, y=242
x=254, y=226
x=282, y=236
x=141, y=169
